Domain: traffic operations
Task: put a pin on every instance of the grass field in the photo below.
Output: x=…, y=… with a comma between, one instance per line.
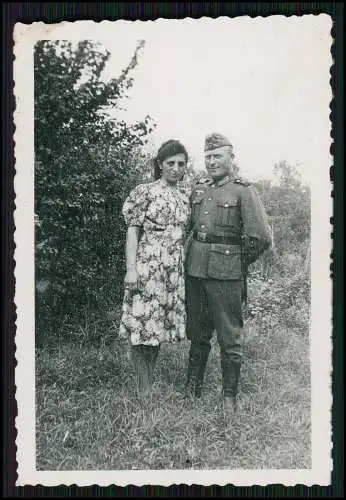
x=89, y=417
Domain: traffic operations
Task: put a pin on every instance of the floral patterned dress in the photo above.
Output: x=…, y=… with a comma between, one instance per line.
x=155, y=313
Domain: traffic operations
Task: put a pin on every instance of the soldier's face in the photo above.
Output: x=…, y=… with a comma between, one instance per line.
x=218, y=162
x=173, y=168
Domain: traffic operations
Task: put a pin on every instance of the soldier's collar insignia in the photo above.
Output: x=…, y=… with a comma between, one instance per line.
x=204, y=180
x=223, y=181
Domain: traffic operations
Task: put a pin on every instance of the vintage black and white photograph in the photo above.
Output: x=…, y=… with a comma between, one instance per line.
x=173, y=240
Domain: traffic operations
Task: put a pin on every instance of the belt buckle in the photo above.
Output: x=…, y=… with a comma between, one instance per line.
x=201, y=236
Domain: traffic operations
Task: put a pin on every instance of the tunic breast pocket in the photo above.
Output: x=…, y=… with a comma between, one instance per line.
x=227, y=212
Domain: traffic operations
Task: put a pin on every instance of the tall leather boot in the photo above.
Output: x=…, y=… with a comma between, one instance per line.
x=141, y=367
x=151, y=354
x=198, y=357
x=204, y=350
x=230, y=367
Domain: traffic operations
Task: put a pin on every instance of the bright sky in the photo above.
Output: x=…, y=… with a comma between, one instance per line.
x=263, y=82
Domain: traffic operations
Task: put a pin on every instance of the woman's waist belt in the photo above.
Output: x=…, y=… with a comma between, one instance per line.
x=170, y=227
x=212, y=238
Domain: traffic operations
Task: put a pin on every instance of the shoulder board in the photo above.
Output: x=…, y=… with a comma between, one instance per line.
x=242, y=182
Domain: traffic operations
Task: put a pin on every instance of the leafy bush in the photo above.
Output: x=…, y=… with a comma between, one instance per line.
x=86, y=163
x=279, y=282
x=282, y=299
x=287, y=203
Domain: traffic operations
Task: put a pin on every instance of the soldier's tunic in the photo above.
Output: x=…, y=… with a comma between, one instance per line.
x=230, y=231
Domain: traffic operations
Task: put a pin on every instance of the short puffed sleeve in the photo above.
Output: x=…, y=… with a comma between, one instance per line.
x=135, y=206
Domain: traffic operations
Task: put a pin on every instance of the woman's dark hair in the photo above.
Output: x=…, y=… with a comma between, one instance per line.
x=167, y=149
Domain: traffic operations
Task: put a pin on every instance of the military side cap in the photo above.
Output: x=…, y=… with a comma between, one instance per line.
x=215, y=140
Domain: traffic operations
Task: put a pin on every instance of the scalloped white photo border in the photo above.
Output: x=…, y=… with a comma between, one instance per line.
x=25, y=37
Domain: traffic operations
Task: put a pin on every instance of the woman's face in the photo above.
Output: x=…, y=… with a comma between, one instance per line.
x=173, y=168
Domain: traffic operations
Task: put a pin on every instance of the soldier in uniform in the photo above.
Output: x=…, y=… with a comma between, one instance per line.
x=229, y=231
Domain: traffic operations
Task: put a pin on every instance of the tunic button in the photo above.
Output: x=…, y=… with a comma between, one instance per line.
x=227, y=252
x=206, y=212
x=209, y=199
x=226, y=205
x=202, y=226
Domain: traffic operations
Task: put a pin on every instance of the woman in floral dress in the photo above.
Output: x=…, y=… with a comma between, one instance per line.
x=157, y=215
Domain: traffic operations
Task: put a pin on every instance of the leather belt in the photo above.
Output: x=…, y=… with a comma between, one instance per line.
x=210, y=238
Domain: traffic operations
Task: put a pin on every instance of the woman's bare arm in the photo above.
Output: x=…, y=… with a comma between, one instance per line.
x=130, y=255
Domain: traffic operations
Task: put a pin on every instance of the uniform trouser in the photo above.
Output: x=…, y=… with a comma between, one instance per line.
x=216, y=305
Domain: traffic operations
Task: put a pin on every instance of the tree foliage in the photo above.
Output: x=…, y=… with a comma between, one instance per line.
x=85, y=163
x=279, y=282
x=287, y=203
